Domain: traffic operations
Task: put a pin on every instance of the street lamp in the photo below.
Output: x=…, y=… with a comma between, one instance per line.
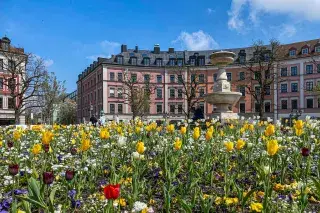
x=295, y=114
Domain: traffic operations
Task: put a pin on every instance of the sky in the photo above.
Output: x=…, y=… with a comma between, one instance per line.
x=70, y=34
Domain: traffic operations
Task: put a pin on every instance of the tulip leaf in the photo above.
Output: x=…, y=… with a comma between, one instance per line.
x=245, y=199
x=51, y=198
x=32, y=201
x=317, y=185
x=33, y=186
x=185, y=206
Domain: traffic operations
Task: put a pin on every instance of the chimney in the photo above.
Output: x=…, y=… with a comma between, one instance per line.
x=156, y=49
x=124, y=48
x=136, y=49
x=171, y=50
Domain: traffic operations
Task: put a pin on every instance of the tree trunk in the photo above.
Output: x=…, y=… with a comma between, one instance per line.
x=16, y=118
x=261, y=113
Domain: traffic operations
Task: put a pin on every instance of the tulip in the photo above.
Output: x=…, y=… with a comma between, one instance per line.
x=305, y=152
x=177, y=144
x=196, y=133
x=240, y=144
x=183, y=130
x=229, y=146
x=13, y=169
x=140, y=147
x=47, y=137
x=170, y=128
x=48, y=177
x=209, y=135
x=36, y=149
x=46, y=147
x=69, y=174
x=10, y=144
x=272, y=147
x=112, y=192
x=16, y=135
x=270, y=130
x=73, y=151
x=85, y=145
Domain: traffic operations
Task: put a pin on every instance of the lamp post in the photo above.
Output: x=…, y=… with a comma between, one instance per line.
x=295, y=114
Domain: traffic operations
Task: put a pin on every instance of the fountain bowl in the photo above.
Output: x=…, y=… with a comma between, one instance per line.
x=222, y=58
x=223, y=98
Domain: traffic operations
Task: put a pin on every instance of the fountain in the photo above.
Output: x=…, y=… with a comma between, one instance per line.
x=222, y=97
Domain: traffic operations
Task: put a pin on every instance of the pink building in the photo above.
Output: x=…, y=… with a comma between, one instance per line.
x=100, y=87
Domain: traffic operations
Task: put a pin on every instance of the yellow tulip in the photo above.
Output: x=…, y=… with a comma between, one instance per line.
x=298, y=131
x=170, y=128
x=183, y=130
x=272, y=147
x=240, y=144
x=36, y=149
x=85, y=144
x=47, y=137
x=229, y=146
x=177, y=144
x=208, y=135
x=137, y=130
x=251, y=127
x=140, y=147
x=257, y=207
x=16, y=135
x=270, y=130
x=299, y=124
x=104, y=134
x=231, y=126
x=196, y=133
x=221, y=133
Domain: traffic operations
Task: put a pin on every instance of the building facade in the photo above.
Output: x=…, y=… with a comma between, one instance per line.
x=100, y=86
x=6, y=101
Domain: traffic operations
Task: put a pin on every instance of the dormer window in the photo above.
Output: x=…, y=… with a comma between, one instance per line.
x=146, y=61
x=292, y=52
x=133, y=60
x=180, y=62
x=172, y=62
x=120, y=59
x=305, y=51
x=201, y=61
x=242, y=59
x=317, y=49
x=159, y=62
x=192, y=60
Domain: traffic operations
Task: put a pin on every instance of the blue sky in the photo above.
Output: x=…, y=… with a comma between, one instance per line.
x=69, y=34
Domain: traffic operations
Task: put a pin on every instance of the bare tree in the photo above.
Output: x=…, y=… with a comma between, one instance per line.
x=137, y=92
x=190, y=88
x=261, y=71
x=24, y=74
x=67, y=112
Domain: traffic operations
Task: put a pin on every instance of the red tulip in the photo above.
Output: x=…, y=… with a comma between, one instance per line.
x=305, y=152
x=69, y=174
x=74, y=151
x=112, y=192
x=48, y=177
x=46, y=147
x=10, y=144
x=13, y=169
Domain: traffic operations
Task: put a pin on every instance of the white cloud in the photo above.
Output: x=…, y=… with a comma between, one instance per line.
x=210, y=10
x=287, y=31
x=107, y=48
x=196, y=41
x=48, y=62
x=301, y=9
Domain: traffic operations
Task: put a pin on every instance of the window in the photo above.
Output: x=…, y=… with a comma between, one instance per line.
x=215, y=77
x=267, y=92
x=1, y=102
x=294, y=104
x=284, y=71
x=159, y=62
x=294, y=71
x=180, y=80
x=241, y=76
x=12, y=84
x=317, y=49
x=159, y=93
x=305, y=51
x=1, y=64
x=172, y=109
x=201, y=61
x=267, y=107
x=180, y=109
x=119, y=92
x=192, y=61
x=1, y=83
x=159, y=108
x=201, y=105
x=172, y=62
x=180, y=62
x=120, y=109
x=242, y=59
x=171, y=78
x=172, y=93
x=242, y=89
x=111, y=92
x=309, y=103
x=309, y=69
x=120, y=76
x=201, y=78
x=309, y=85
x=229, y=76
x=179, y=93
x=159, y=78
x=112, y=108
x=284, y=88
x=242, y=108
x=146, y=78
x=294, y=87
x=120, y=59
x=201, y=92
x=284, y=104
x=133, y=60
x=111, y=76
x=257, y=90
x=11, y=103
x=257, y=75
x=11, y=64
x=257, y=107
x=292, y=52
x=146, y=61
x=134, y=77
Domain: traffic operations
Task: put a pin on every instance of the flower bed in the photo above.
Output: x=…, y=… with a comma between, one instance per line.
x=246, y=166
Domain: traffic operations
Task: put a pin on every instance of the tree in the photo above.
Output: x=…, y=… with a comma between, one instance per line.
x=261, y=72
x=190, y=88
x=137, y=92
x=24, y=74
x=67, y=112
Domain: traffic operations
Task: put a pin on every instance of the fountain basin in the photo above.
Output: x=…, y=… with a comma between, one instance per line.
x=223, y=98
x=222, y=58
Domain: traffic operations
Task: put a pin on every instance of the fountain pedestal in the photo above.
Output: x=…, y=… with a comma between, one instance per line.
x=222, y=97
